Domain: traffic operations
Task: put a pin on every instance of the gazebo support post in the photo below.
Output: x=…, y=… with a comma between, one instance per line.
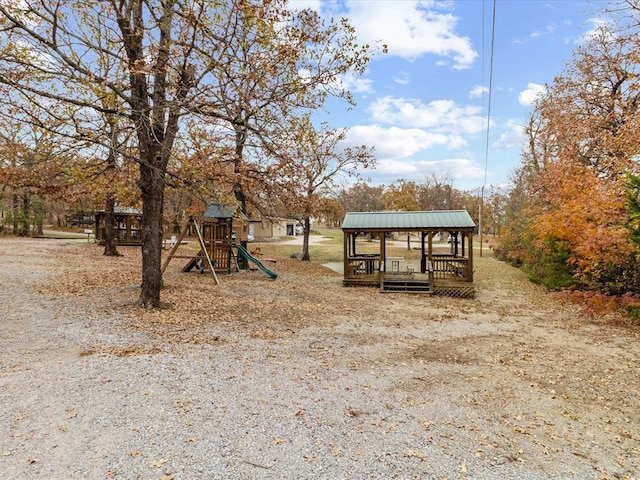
x=346, y=253
x=429, y=250
x=470, y=275
x=423, y=259
x=383, y=254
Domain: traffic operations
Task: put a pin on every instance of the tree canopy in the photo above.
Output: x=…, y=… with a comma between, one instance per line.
x=568, y=212
x=155, y=67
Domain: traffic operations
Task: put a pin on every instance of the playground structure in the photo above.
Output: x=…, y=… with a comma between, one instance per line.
x=250, y=258
x=221, y=233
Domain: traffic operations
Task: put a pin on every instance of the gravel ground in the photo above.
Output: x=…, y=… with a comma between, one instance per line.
x=301, y=378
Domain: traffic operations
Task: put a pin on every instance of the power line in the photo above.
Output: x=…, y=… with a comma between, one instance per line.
x=486, y=151
x=493, y=32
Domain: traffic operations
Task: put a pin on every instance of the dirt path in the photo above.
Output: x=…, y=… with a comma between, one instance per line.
x=316, y=240
x=301, y=377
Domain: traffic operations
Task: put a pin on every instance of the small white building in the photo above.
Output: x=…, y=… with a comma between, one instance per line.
x=272, y=228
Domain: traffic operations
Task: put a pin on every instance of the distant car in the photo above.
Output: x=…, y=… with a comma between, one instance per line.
x=250, y=238
x=299, y=229
x=82, y=220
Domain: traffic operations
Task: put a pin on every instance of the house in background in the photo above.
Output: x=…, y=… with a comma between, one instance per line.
x=272, y=228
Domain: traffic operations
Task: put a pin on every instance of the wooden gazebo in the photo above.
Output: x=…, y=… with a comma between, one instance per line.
x=445, y=273
x=128, y=226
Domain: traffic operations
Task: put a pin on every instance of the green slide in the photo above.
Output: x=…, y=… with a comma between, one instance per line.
x=251, y=258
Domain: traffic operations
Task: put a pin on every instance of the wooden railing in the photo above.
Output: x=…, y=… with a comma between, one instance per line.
x=450, y=267
x=362, y=265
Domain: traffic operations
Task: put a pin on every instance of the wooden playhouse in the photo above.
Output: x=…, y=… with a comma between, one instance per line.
x=217, y=230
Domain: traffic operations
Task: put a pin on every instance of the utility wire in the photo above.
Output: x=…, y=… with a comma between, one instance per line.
x=493, y=35
x=486, y=151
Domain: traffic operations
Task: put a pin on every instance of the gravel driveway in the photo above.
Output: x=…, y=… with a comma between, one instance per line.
x=301, y=378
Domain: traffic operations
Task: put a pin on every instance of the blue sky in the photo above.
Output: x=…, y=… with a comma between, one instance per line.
x=423, y=106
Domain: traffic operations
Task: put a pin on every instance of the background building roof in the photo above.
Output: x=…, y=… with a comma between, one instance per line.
x=401, y=221
x=217, y=210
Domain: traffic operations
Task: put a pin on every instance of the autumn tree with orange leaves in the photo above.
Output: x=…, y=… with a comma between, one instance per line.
x=568, y=210
x=32, y=164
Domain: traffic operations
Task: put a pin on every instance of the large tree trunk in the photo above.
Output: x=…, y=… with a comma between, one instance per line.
x=109, y=227
x=38, y=220
x=152, y=189
x=110, y=249
x=305, y=240
x=23, y=228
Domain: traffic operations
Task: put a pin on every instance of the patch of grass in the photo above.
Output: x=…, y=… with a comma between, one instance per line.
x=488, y=271
x=634, y=314
x=331, y=248
x=318, y=254
x=332, y=235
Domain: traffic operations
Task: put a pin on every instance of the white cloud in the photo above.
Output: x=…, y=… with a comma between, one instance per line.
x=411, y=29
x=462, y=170
x=303, y=4
x=349, y=81
x=395, y=142
x=402, y=78
x=439, y=115
x=477, y=91
x=413, y=154
x=355, y=84
x=542, y=33
x=512, y=138
x=457, y=168
x=597, y=26
x=528, y=96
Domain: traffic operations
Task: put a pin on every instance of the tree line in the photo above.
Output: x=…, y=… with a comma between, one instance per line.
x=435, y=192
x=572, y=217
x=167, y=103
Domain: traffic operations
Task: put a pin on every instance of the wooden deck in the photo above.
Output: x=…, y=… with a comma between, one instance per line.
x=446, y=275
x=408, y=282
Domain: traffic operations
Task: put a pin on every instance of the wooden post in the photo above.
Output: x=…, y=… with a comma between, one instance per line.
x=345, y=253
x=175, y=246
x=470, y=274
x=383, y=254
x=429, y=248
x=206, y=254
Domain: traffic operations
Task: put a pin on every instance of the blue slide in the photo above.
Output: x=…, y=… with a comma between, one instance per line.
x=251, y=258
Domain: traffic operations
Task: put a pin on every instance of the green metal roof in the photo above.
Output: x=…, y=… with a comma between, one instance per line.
x=400, y=221
x=217, y=210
